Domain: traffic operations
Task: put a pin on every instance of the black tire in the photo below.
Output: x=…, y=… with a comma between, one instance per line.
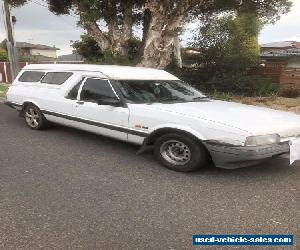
x=191, y=154
x=34, y=118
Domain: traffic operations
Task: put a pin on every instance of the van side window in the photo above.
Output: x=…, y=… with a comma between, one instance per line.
x=31, y=76
x=96, y=89
x=74, y=91
x=57, y=78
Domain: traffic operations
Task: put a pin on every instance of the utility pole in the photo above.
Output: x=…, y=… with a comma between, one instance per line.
x=14, y=67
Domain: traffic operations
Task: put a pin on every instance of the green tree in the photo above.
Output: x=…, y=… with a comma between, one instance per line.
x=3, y=44
x=91, y=52
x=118, y=16
x=230, y=41
x=242, y=45
x=16, y=3
x=230, y=47
x=88, y=48
x=3, y=55
x=229, y=29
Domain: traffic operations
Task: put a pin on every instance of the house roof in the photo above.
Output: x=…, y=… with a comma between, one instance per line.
x=71, y=58
x=34, y=46
x=282, y=44
x=109, y=71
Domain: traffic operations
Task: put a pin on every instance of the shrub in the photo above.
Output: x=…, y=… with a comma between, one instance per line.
x=210, y=82
x=243, y=85
x=3, y=55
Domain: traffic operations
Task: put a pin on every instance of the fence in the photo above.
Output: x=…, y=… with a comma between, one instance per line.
x=290, y=78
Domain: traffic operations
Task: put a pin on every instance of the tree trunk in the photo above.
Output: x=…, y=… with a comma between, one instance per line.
x=93, y=31
x=118, y=35
x=177, y=52
x=126, y=29
x=160, y=30
x=114, y=36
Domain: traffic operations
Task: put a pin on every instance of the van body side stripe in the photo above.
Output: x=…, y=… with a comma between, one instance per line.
x=98, y=124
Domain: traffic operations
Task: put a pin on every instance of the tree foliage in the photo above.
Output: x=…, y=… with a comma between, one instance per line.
x=88, y=48
x=117, y=16
x=91, y=52
x=269, y=11
x=17, y=3
x=3, y=55
x=162, y=21
x=229, y=41
x=230, y=47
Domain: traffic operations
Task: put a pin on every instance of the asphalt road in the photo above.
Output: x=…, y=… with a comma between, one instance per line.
x=67, y=189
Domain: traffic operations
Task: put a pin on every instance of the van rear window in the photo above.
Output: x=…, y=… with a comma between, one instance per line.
x=56, y=77
x=31, y=76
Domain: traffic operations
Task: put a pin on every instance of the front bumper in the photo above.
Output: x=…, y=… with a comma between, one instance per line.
x=230, y=156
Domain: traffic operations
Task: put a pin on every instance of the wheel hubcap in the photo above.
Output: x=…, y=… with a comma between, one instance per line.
x=32, y=117
x=175, y=152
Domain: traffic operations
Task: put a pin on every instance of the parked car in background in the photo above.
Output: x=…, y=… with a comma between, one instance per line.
x=154, y=109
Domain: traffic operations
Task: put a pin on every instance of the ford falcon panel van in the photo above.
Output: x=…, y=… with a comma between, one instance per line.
x=154, y=109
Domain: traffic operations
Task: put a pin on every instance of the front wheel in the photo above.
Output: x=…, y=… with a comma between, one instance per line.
x=180, y=153
x=34, y=117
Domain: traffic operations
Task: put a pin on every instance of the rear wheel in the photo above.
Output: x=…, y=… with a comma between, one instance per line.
x=34, y=117
x=180, y=152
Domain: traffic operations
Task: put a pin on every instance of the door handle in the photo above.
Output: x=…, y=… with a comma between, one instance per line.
x=80, y=102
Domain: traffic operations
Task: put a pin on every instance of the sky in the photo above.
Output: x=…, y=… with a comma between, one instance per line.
x=35, y=24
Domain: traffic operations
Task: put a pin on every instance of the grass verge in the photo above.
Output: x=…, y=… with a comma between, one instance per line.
x=274, y=102
x=3, y=90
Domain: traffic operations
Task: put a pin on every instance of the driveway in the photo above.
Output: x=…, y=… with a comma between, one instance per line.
x=67, y=189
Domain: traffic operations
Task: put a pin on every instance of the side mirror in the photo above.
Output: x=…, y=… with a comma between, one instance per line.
x=109, y=101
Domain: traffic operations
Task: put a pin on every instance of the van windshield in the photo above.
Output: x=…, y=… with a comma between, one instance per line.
x=153, y=91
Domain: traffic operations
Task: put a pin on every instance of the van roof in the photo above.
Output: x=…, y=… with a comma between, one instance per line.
x=110, y=71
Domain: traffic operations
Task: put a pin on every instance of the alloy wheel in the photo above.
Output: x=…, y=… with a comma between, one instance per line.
x=32, y=117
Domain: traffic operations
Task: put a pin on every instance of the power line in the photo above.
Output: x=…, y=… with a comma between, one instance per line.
x=37, y=3
x=46, y=6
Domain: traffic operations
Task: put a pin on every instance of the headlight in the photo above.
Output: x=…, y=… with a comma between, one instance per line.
x=262, y=140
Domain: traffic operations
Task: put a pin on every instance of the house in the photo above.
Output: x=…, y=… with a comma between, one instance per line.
x=70, y=58
x=37, y=51
x=284, y=48
x=281, y=63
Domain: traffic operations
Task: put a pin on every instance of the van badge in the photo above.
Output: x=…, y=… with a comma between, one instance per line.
x=140, y=126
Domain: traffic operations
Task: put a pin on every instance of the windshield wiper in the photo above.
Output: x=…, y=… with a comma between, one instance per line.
x=170, y=99
x=165, y=100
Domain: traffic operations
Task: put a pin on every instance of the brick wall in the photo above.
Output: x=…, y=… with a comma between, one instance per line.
x=279, y=71
x=290, y=78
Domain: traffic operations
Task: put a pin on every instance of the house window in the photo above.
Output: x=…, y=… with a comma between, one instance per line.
x=31, y=76
x=57, y=78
